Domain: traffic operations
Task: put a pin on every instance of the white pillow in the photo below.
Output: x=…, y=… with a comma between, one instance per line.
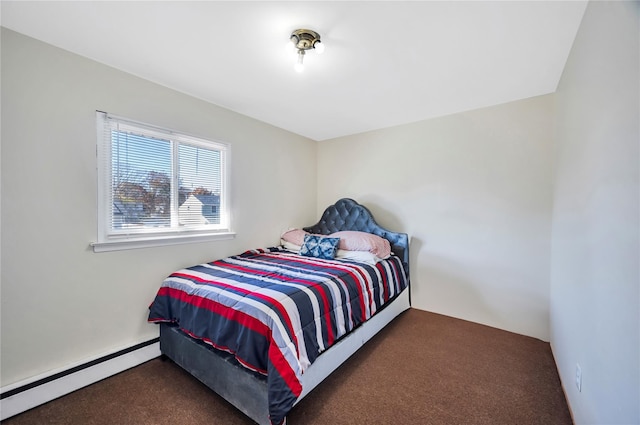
x=290, y=246
x=360, y=256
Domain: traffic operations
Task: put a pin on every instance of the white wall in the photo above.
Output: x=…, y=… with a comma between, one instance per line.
x=61, y=303
x=476, y=191
x=595, y=319
x=473, y=191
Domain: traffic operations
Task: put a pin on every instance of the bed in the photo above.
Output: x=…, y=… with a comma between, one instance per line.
x=265, y=327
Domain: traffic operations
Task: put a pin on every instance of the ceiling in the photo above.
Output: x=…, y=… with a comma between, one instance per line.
x=386, y=63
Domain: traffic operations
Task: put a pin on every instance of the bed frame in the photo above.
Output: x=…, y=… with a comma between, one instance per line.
x=247, y=390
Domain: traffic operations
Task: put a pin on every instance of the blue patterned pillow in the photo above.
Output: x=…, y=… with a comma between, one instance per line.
x=319, y=247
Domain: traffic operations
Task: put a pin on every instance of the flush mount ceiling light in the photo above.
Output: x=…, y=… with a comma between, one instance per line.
x=304, y=40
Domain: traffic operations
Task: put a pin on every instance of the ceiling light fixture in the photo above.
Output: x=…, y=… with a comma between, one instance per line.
x=304, y=40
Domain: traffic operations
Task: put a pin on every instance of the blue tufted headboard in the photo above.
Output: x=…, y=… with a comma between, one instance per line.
x=347, y=214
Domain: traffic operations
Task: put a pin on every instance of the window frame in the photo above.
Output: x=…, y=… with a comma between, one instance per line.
x=110, y=240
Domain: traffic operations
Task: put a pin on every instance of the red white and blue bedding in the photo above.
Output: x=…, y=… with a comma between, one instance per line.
x=276, y=311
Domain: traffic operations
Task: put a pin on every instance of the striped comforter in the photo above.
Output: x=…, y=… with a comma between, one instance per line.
x=276, y=311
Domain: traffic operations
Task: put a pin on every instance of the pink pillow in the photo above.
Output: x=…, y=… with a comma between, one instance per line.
x=351, y=240
x=294, y=236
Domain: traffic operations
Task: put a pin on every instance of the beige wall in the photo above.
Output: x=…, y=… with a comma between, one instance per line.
x=473, y=190
x=61, y=302
x=499, y=235
x=595, y=280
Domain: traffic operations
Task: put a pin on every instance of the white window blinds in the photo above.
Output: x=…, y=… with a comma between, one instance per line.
x=154, y=182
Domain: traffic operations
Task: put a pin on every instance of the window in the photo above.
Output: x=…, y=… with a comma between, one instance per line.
x=157, y=187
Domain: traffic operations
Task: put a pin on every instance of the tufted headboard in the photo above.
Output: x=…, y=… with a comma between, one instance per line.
x=347, y=214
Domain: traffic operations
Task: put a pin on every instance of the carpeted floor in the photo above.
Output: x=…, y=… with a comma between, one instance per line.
x=423, y=368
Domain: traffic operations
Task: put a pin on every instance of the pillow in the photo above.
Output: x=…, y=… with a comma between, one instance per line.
x=290, y=246
x=319, y=247
x=351, y=240
x=359, y=256
x=295, y=236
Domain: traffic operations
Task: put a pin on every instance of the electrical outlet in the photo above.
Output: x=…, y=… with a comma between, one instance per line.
x=579, y=377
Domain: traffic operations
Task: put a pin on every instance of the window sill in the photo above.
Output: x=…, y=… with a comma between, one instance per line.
x=122, y=244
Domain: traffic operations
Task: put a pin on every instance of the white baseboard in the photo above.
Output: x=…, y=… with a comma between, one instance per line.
x=41, y=389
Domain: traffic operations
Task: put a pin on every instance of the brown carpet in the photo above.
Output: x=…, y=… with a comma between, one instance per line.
x=423, y=368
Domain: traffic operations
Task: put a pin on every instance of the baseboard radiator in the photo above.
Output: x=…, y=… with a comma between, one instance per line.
x=22, y=396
